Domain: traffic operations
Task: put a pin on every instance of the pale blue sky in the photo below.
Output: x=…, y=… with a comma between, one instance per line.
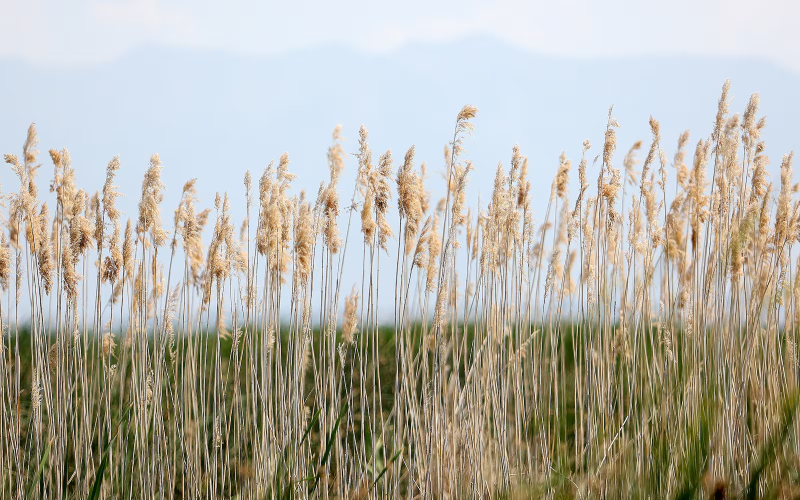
x=56, y=32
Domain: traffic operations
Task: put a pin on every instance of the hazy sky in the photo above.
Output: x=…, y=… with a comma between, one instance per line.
x=89, y=31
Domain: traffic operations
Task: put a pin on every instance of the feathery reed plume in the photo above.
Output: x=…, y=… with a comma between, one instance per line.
x=81, y=229
x=68, y=272
x=410, y=197
x=740, y=240
x=523, y=195
x=630, y=163
x=700, y=200
x=110, y=191
x=380, y=187
x=329, y=195
x=783, y=215
x=45, y=253
x=113, y=261
x=433, y=247
x=127, y=251
x=5, y=262
x=609, y=188
x=365, y=174
x=350, y=324
x=723, y=108
x=303, y=241
x=562, y=176
x=152, y=195
x=464, y=126
x=29, y=148
x=679, y=161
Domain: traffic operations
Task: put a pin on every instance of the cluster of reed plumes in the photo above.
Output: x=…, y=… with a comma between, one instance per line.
x=640, y=340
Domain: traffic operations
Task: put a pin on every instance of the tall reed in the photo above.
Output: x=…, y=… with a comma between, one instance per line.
x=638, y=340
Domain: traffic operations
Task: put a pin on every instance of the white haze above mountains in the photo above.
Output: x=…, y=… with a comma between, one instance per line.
x=213, y=115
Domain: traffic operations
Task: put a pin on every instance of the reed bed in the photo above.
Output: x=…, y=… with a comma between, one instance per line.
x=639, y=340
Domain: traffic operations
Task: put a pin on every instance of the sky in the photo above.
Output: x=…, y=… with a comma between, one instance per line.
x=87, y=32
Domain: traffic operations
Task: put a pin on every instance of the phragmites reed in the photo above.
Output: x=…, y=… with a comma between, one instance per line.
x=783, y=213
x=81, y=230
x=639, y=341
x=329, y=195
x=303, y=241
x=152, y=196
x=562, y=176
x=464, y=126
x=367, y=186
x=380, y=187
x=5, y=262
x=630, y=162
x=679, y=161
x=68, y=272
x=610, y=179
x=45, y=253
x=127, y=251
x=350, y=323
x=411, y=199
x=723, y=107
x=433, y=248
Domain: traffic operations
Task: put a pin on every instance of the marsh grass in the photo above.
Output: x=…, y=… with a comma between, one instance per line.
x=640, y=341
